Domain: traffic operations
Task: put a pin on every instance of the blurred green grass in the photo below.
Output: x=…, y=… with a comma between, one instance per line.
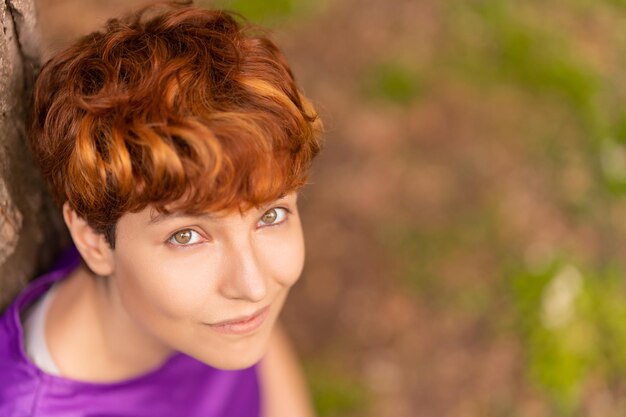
x=572, y=325
x=269, y=13
x=392, y=81
x=336, y=394
x=525, y=53
x=495, y=46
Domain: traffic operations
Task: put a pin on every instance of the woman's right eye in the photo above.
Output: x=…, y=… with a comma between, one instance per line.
x=185, y=237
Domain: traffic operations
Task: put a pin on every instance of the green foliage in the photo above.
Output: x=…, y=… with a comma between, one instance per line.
x=261, y=11
x=557, y=362
x=613, y=165
x=572, y=327
x=620, y=4
x=607, y=310
x=570, y=315
x=494, y=43
x=268, y=12
x=619, y=127
x=392, y=81
x=334, y=393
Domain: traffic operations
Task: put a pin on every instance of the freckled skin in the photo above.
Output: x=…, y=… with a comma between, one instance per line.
x=237, y=267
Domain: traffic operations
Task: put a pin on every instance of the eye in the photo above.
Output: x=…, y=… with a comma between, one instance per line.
x=273, y=216
x=185, y=237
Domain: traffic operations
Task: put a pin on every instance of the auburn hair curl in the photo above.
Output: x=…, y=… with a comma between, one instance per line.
x=173, y=106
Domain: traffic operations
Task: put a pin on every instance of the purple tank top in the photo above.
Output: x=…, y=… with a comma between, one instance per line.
x=182, y=386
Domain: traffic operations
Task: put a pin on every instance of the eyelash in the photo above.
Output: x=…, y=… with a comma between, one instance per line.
x=171, y=239
x=286, y=213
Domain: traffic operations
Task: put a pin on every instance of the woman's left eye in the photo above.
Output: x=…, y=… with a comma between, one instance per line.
x=272, y=217
x=185, y=237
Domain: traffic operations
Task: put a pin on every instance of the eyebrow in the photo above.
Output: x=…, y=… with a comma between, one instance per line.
x=161, y=217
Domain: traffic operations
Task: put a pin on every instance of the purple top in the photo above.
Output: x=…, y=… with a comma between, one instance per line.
x=182, y=386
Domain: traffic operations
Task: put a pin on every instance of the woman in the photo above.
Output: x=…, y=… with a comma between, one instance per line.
x=175, y=141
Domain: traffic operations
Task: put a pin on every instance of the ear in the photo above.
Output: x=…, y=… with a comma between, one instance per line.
x=92, y=245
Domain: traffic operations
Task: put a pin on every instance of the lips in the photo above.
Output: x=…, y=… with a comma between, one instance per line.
x=242, y=325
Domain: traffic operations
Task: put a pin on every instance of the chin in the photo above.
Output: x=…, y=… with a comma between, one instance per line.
x=237, y=364
x=237, y=358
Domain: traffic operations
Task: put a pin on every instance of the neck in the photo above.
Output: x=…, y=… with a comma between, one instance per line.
x=92, y=338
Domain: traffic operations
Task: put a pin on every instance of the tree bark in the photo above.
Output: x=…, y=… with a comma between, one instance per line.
x=31, y=232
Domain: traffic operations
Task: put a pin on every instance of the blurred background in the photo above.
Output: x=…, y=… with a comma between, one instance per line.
x=466, y=222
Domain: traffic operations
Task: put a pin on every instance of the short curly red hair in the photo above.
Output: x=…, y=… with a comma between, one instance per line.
x=173, y=106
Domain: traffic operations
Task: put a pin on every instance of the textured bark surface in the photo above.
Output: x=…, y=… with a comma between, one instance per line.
x=30, y=229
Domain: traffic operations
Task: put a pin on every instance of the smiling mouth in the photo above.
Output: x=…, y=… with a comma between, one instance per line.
x=242, y=325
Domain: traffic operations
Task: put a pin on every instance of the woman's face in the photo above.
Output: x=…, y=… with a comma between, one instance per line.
x=194, y=282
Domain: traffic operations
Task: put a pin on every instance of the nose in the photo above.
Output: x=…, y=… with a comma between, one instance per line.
x=245, y=278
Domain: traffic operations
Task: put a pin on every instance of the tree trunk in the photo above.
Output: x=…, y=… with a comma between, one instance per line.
x=30, y=228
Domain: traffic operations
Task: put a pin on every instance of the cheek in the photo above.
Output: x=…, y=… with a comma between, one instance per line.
x=285, y=258
x=171, y=287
